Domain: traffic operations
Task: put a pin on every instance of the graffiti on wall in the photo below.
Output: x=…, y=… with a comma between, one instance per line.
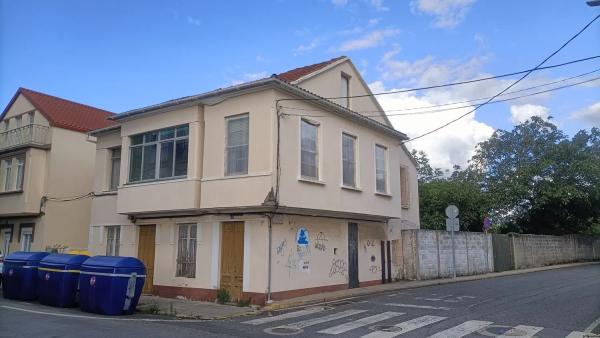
x=338, y=267
x=320, y=240
x=375, y=269
x=302, y=238
x=281, y=248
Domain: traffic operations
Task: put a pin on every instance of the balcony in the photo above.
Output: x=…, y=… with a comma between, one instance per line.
x=31, y=135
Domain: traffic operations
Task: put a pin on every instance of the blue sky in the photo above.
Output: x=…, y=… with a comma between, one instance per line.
x=120, y=55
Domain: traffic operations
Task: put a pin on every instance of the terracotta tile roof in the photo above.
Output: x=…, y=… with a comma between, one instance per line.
x=65, y=114
x=295, y=74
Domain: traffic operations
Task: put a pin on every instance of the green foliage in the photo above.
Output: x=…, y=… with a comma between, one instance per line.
x=532, y=179
x=223, y=296
x=243, y=302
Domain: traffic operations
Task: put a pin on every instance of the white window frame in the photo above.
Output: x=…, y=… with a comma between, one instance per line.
x=111, y=174
x=345, y=102
x=7, y=175
x=385, y=168
x=26, y=232
x=6, y=239
x=20, y=172
x=356, y=185
x=228, y=119
x=157, y=143
x=186, y=266
x=113, y=239
x=317, y=125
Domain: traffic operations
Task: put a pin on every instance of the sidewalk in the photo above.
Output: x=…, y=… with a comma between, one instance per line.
x=188, y=309
x=352, y=293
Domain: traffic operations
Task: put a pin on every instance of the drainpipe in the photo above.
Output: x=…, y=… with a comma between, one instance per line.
x=269, y=300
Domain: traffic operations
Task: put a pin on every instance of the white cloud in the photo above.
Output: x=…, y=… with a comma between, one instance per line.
x=368, y=40
x=447, y=13
x=260, y=58
x=524, y=112
x=590, y=114
x=339, y=3
x=378, y=4
x=194, y=21
x=452, y=145
x=247, y=77
x=374, y=21
x=316, y=42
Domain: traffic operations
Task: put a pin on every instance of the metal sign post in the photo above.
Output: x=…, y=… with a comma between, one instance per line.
x=452, y=225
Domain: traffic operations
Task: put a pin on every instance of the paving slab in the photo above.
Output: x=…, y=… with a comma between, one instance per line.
x=189, y=309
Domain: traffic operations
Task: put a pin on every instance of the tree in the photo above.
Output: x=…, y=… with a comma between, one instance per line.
x=539, y=181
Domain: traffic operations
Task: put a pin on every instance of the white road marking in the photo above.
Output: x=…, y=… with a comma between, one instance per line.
x=319, y=320
x=592, y=326
x=284, y=316
x=462, y=329
x=419, y=306
x=575, y=334
x=520, y=331
x=407, y=326
x=360, y=322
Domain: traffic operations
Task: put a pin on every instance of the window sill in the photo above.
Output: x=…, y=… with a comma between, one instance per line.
x=232, y=177
x=11, y=192
x=355, y=189
x=157, y=181
x=383, y=194
x=310, y=180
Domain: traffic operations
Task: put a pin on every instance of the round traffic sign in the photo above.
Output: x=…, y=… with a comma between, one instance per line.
x=451, y=211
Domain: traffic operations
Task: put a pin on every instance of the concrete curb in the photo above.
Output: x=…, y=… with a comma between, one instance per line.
x=401, y=285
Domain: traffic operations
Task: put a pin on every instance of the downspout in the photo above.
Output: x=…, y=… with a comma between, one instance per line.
x=277, y=178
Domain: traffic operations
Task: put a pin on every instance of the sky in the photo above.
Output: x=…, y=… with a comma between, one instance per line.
x=121, y=55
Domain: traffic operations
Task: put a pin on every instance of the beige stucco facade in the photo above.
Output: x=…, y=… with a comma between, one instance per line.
x=272, y=200
x=57, y=163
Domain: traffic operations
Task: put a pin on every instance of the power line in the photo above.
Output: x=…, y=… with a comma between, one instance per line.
x=528, y=71
x=510, y=86
x=458, y=102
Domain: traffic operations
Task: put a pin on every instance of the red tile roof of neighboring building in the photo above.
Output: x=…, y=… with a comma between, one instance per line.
x=295, y=74
x=63, y=113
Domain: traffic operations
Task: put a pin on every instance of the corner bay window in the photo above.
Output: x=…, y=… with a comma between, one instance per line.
x=309, y=153
x=115, y=168
x=186, y=251
x=380, y=169
x=159, y=154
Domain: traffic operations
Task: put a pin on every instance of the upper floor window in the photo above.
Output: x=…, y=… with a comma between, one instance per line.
x=186, y=251
x=115, y=168
x=380, y=169
x=348, y=160
x=20, y=172
x=404, y=188
x=309, y=149
x=113, y=240
x=159, y=154
x=7, y=174
x=345, y=90
x=236, y=149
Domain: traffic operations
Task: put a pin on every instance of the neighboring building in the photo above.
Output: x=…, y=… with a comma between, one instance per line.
x=215, y=191
x=45, y=158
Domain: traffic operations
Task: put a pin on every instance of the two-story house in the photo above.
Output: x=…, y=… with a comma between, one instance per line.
x=46, y=168
x=265, y=188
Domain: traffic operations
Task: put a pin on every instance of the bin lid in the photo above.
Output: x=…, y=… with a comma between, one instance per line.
x=113, y=262
x=28, y=257
x=64, y=259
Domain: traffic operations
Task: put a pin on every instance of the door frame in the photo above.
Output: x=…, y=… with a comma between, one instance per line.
x=242, y=255
x=149, y=281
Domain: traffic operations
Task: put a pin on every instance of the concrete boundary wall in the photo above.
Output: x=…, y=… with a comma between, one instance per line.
x=528, y=251
x=427, y=254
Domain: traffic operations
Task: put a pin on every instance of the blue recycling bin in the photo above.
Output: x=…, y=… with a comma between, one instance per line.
x=111, y=285
x=19, y=275
x=58, y=278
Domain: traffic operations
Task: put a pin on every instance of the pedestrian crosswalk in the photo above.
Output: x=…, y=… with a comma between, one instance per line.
x=380, y=325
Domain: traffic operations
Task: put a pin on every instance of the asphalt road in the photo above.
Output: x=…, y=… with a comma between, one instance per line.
x=554, y=303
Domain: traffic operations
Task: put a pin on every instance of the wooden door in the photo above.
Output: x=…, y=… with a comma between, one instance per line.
x=146, y=245
x=352, y=255
x=232, y=258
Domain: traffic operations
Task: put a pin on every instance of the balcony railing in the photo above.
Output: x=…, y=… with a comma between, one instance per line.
x=29, y=135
